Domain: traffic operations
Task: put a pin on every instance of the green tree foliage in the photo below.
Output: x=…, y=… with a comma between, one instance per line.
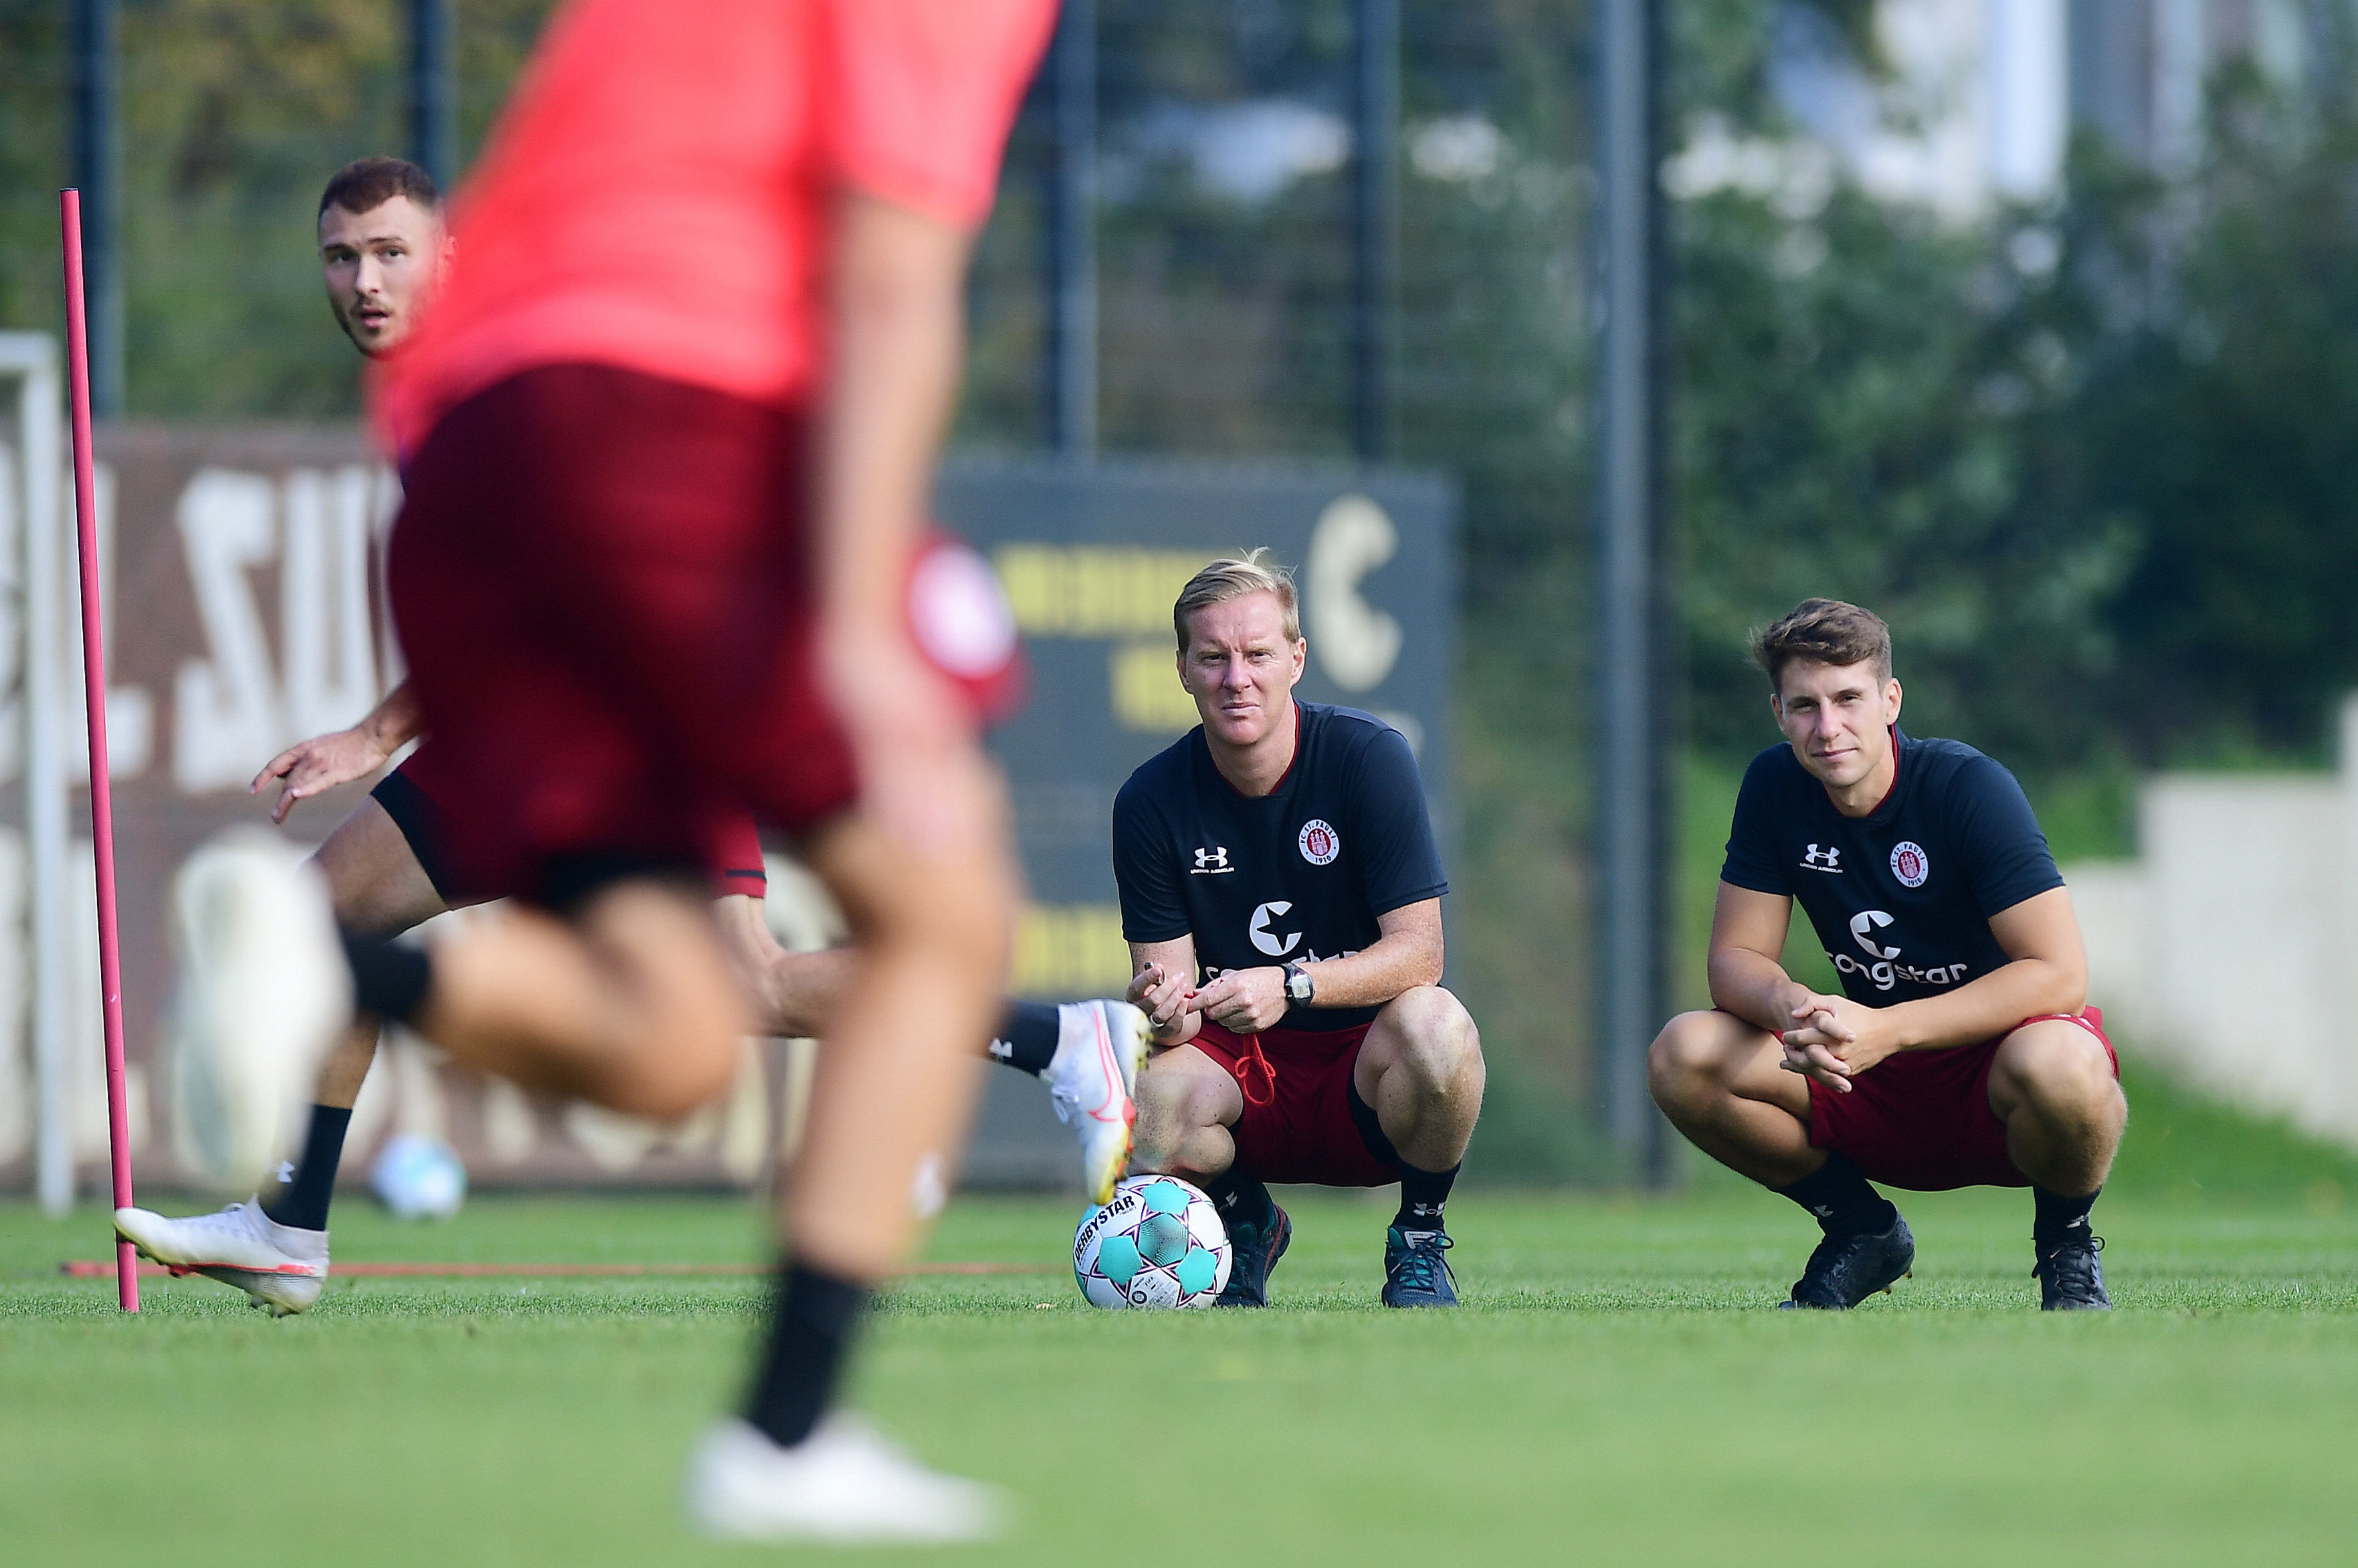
x=2222, y=427
x=2094, y=462
x=233, y=115
x=33, y=160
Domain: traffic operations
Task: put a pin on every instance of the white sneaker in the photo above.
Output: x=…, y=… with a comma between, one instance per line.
x=842, y=1483
x=1100, y=1045
x=280, y=1267
x=263, y=989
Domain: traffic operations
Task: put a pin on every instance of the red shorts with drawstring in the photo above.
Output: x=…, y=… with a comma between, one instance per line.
x=1297, y=1124
x=1921, y=1119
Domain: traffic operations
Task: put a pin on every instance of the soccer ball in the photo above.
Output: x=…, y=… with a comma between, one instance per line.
x=419, y=1178
x=1158, y=1244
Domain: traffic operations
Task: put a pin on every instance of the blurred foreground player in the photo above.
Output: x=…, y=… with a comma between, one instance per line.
x=672, y=428
x=1283, y=852
x=389, y=866
x=1962, y=1052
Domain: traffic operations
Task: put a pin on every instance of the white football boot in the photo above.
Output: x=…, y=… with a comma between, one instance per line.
x=842, y=1483
x=1100, y=1045
x=280, y=1267
x=263, y=989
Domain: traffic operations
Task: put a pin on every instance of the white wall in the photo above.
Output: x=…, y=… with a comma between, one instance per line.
x=2228, y=951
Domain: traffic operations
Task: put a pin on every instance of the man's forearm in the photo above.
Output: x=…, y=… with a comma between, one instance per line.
x=393, y=722
x=1376, y=974
x=1755, y=988
x=1990, y=1006
x=897, y=355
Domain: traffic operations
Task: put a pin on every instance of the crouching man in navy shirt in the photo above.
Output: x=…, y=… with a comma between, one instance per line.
x=1282, y=898
x=1962, y=1052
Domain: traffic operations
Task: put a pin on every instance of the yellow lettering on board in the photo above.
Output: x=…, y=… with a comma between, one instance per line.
x=1093, y=590
x=1147, y=696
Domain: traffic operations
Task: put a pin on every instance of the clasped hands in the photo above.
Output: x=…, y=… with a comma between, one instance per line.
x=1834, y=1039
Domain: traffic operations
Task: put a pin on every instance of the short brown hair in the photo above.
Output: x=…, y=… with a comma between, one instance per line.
x=1828, y=630
x=371, y=182
x=1235, y=577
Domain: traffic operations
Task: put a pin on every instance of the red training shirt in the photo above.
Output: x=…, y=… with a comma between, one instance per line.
x=655, y=195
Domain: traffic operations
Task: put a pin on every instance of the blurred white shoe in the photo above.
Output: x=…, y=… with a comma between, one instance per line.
x=1100, y=1045
x=280, y=1267
x=263, y=989
x=842, y=1483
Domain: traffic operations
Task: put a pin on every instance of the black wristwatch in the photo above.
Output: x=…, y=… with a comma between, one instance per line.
x=1298, y=986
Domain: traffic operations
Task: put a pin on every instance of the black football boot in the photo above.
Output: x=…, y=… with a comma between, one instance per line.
x=1256, y=1244
x=1415, y=1273
x=1847, y=1270
x=2070, y=1278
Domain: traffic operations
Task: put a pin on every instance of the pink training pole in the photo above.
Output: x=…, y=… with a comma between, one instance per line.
x=102, y=790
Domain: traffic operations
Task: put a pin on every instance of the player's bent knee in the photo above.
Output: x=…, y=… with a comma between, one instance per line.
x=1177, y=1100
x=678, y=1070
x=1685, y=1056
x=1440, y=1043
x=2059, y=1064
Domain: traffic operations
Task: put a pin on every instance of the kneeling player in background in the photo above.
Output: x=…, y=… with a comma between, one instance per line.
x=390, y=866
x=1962, y=1052
x=672, y=429
x=1283, y=850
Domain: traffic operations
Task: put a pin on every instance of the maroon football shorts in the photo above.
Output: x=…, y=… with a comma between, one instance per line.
x=425, y=804
x=1921, y=1119
x=1297, y=1124
x=602, y=584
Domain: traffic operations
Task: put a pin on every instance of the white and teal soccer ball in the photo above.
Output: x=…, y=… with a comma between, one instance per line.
x=1158, y=1244
x=418, y=1178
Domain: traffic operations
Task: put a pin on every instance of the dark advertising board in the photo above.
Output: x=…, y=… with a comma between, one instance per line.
x=1092, y=557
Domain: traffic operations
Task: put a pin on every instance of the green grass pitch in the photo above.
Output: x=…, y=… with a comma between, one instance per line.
x=1615, y=1390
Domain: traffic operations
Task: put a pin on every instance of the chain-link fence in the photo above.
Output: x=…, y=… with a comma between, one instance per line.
x=1223, y=236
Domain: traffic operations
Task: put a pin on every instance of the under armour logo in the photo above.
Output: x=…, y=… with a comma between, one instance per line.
x=285, y=1173
x=1818, y=859
x=1212, y=861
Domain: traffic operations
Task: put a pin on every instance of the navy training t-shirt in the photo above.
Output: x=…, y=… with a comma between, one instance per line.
x=1901, y=900
x=1300, y=873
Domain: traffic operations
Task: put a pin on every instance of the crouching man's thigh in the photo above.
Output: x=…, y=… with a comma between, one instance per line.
x=1710, y=1056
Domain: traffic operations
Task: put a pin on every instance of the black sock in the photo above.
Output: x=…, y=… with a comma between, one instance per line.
x=303, y=1194
x=2058, y=1216
x=1241, y=1197
x=1027, y=1035
x=811, y=1322
x=1423, y=1194
x=1839, y=1194
x=388, y=979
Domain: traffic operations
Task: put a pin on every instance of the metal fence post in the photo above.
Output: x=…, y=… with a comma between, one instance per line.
x=97, y=162
x=1374, y=207
x=1634, y=652
x=433, y=91
x=1072, y=240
